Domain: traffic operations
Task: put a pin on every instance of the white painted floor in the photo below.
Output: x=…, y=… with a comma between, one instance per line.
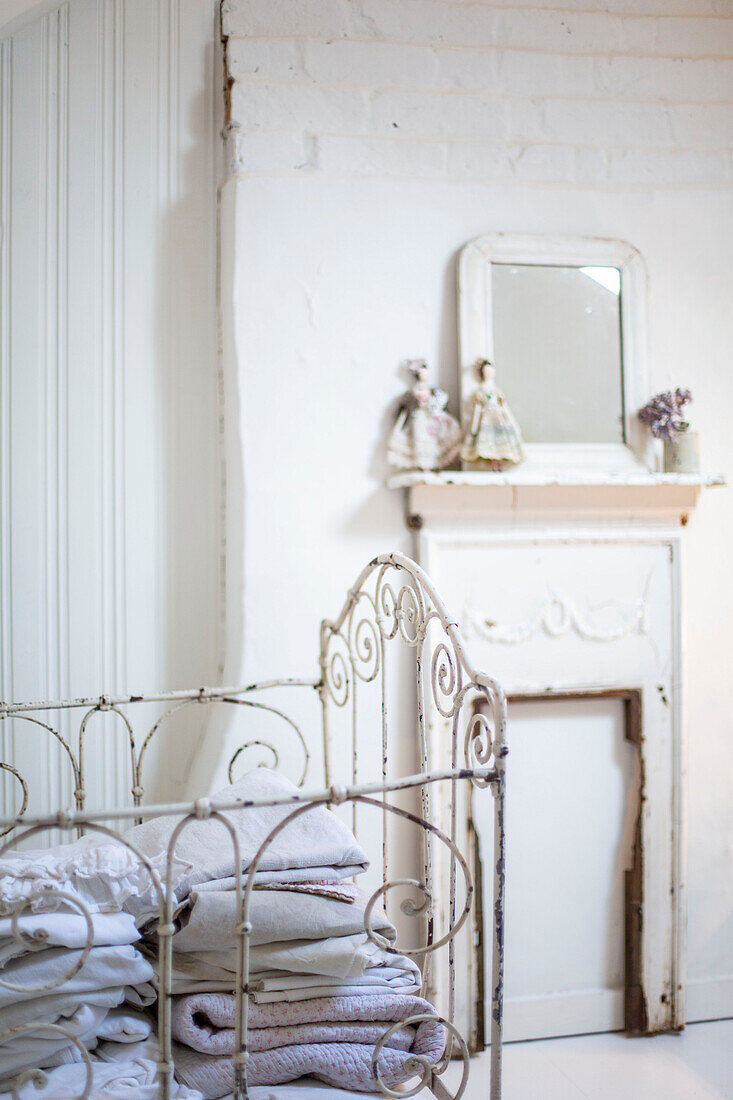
x=696, y=1064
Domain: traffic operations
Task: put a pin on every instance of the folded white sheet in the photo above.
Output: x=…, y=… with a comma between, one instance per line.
x=43, y=1047
x=295, y=875
x=124, y=1025
x=65, y=930
x=40, y=1046
x=118, y=1080
x=382, y=976
x=104, y=968
x=208, y=923
x=375, y=981
x=350, y=988
x=340, y=958
x=45, y=1009
x=400, y=975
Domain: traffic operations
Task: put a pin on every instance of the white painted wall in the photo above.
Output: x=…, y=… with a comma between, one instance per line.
x=371, y=139
x=110, y=469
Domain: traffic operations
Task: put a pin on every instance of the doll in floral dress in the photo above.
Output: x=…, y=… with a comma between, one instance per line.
x=425, y=436
x=493, y=438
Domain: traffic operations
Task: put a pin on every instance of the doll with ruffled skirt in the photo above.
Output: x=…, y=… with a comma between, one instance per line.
x=493, y=439
x=425, y=436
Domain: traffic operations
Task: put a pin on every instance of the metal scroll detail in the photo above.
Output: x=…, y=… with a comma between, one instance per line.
x=120, y=708
x=38, y=941
x=418, y=1064
x=37, y=1077
x=392, y=607
x=394, y=601
x=373, y=796
x=460, y=723
x=24, y=793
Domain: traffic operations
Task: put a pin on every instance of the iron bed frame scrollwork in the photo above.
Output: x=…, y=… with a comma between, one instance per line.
x=392, y=600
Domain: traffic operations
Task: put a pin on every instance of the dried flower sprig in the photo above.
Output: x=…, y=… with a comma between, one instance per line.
x=663, y=413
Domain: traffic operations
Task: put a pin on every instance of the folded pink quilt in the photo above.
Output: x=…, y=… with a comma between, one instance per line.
x=331, y=1038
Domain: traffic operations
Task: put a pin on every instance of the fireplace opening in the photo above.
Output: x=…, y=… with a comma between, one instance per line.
x=574, y=866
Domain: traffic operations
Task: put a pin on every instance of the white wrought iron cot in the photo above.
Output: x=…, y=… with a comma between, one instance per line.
x=392, y=601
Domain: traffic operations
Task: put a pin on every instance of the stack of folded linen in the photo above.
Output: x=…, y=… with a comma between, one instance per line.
x=62, y=976
x=76, y=975
x=322, y=992
x=302, y=945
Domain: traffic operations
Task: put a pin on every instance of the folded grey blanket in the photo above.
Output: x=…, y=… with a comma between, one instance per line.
x=330, y=1038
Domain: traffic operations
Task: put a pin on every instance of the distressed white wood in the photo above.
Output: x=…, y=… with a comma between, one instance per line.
x=392, y=606
x=533, y=475
x=569, y=506
x=493, y=564
x=109, y=457
x=565, y=973
x=477, y=338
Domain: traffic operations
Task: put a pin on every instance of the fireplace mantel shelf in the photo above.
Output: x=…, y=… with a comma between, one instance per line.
x=538, y=491
x=533, y=478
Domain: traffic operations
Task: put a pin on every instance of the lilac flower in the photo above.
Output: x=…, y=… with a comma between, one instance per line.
x=663, y=413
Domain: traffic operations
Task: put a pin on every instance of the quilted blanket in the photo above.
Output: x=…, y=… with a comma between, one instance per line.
x=330, y=1038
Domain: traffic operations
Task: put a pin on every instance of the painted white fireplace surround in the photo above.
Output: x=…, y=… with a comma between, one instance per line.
x=571, y=585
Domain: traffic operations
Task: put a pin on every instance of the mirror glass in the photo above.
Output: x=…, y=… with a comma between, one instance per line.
x=557, y=350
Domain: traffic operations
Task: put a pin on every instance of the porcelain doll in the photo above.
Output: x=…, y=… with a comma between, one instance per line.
x=425, y=436
x=493, y=437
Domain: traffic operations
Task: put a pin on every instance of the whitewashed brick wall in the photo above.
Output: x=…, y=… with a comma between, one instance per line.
x=369, y=141
x=629, y=93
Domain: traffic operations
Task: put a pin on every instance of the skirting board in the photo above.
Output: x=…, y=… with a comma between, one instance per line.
x=603, y=1010
x=709, y=999
x=557, y=1014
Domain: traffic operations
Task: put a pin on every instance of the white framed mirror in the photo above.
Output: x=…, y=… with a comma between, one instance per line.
x=563, y=319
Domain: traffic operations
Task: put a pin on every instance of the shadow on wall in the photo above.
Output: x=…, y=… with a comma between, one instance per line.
x=192, y=580
x=448, y=366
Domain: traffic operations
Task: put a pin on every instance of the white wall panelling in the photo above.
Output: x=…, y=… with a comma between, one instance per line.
x=111, y=475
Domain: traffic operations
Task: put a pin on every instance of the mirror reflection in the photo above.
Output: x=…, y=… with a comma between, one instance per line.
x=557, y=349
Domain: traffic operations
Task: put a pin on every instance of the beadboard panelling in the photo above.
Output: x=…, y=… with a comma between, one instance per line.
x=109, y=450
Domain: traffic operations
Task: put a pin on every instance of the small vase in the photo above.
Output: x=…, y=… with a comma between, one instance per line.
x=682, y=454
